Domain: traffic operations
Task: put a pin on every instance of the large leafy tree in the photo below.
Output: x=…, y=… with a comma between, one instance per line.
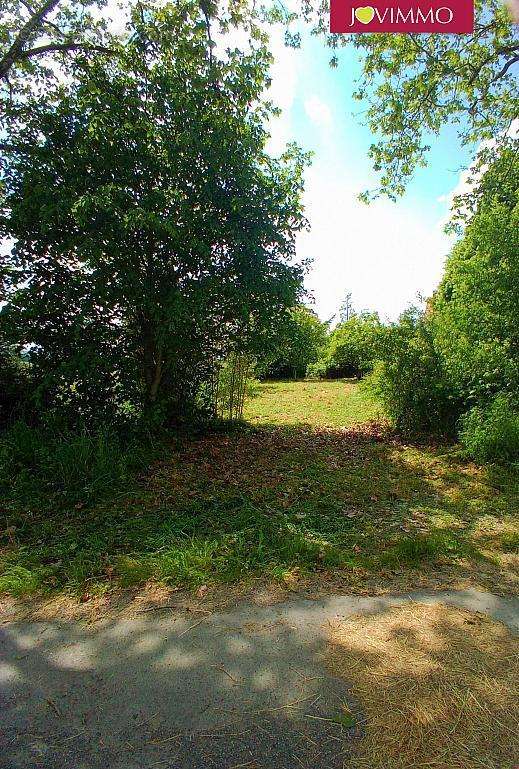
x=414, y=85
x=297, y=344
x=152, y=232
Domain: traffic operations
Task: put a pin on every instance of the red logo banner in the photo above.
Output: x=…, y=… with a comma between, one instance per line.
x=451, y=16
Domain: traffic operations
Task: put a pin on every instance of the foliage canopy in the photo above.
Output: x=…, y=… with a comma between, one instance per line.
x=298, y=343
x=152, y=232
x=351, y=348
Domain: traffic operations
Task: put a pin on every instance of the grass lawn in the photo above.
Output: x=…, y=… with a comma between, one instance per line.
x=309, y=491
x=320, y=404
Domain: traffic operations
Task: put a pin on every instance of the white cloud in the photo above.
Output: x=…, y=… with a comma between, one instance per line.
x=318, y=112
x=384, y=253
x=463, y=187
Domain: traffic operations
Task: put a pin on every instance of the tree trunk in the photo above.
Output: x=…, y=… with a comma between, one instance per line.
x=17, y=48
x=153, y=362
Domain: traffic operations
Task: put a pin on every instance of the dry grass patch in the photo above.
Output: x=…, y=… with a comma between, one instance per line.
x=438, y=687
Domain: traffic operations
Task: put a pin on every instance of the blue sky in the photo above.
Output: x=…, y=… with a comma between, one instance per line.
x=386, y=253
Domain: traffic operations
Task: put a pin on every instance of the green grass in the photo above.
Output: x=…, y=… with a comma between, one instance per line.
x=339, y=403
x=67, y=467
x=280, y=498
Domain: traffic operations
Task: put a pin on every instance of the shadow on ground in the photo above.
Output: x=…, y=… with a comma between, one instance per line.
x=245, y=689
x=277, y=502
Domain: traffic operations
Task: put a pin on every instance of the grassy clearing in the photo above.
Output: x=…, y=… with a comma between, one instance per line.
x=282, y=501
x=437, y=687
x=338, y=403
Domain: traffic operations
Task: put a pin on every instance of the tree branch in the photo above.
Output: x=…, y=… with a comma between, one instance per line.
x=55, y=47
x=15, y=51
x=505, y=69
x=498, y=52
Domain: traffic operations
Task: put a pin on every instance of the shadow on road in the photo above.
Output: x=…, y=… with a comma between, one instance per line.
x=246, y=691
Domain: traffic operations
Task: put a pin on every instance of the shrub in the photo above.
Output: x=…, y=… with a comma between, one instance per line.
x=299, y=339
x=463, y=350
x=235, y=383
x=492, y=432
x=318, y=370
x=410, y=381
x=14, y=385
x=476, y=305
x=351, y=348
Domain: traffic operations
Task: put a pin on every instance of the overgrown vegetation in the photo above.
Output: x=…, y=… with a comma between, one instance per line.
x=346, y=503
x=456, y=365
x=351, y=349
x=297, y=344
x=66, y=468
x=153, y=267
x=147, y=250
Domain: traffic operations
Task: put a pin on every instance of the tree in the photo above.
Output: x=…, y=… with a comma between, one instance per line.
x=298, y=343
x=29, y=34
x=152, y=232
x=346, y=310
x=463, y=352
x=414, y=85
x=351, y=348
x=476, y=306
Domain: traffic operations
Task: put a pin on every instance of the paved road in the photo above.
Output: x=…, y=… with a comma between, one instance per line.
x=246, y=689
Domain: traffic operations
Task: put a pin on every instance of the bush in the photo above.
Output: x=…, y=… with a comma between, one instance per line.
x=318, y=370
x=410, y=381
x=14, y=385
x=297, y=344
x=351, y=348
x=492, y=432
x=463, y=350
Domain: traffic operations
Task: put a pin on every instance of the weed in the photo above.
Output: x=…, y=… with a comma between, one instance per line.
x=510, y=542
x=422, y=548
x=18, y=580
x=68, y=467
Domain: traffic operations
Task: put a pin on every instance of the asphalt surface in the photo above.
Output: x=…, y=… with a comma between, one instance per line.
x=240, y=690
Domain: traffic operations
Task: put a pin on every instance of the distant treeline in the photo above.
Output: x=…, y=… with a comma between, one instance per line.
x=453, y=368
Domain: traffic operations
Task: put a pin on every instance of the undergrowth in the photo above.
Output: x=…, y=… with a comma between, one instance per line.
x=88, y=513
